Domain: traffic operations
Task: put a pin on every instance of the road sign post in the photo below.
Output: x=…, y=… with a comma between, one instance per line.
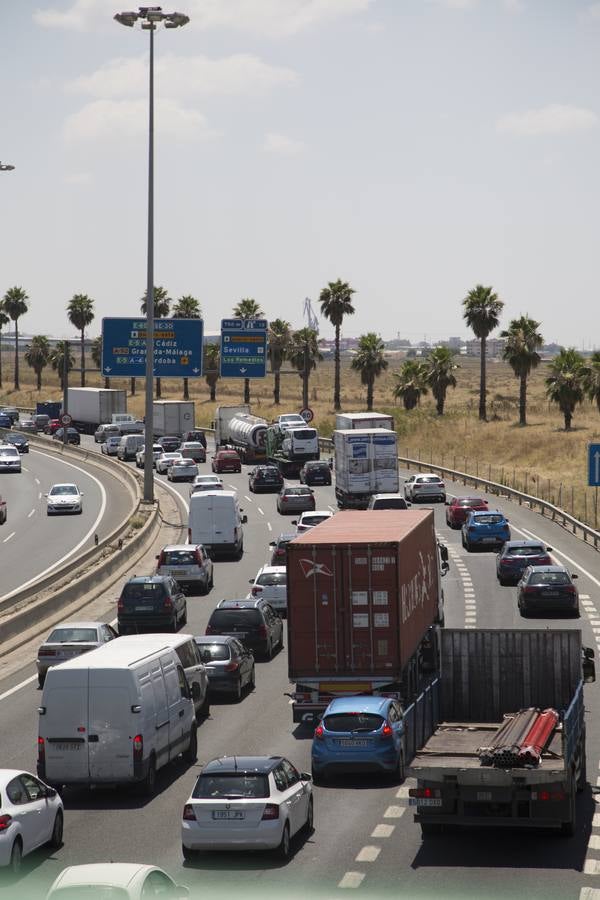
x=594, y=465
x=177, y=348
x=244, y=348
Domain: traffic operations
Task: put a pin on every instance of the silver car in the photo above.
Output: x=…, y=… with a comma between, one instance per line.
x=165, y=460
x=10, y=458
x=140, y=456
x=426, y=486
x=190, y=566
x=110, y=446
x=206, y=483
x=182, y=470
x=68, y=640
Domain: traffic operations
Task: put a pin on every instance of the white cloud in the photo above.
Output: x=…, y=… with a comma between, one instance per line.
x=593, y=11
x=129, y=118
x=184, y=76
x=273, y=18
x=77, y=178
x=549, y=120
x=279, y=143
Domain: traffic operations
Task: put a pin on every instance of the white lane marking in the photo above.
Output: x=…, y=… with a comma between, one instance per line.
x=596, y=820
x=232, y=486
x=588, y=893
x=37, y=481
x=84, y=539
x=591, y=867
x=177, y=495
x=382, y=831
x=18, y=687
x=368, y=854
x=403, y=792
x=332, y=508
x=564, y=556
x=351, y=880
x=11, y=535
x=246, y=497
x=39, y=496
x=584, y=596
x=260, y=510
x=25, y=469
x=394, y=812
x=594, y=842
x=469, y=626
x=32, y=513
x=269, y=526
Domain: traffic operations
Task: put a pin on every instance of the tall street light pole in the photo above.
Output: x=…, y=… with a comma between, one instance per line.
x=150, y=17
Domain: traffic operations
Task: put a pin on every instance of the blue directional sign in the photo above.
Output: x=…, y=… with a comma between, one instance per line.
x=594, y=465
x=177, y=348
x=244, y=348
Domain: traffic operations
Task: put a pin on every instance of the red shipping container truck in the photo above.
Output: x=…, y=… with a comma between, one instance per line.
x=364, y=597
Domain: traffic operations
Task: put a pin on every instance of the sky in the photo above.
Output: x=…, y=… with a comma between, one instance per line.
x=413, y=148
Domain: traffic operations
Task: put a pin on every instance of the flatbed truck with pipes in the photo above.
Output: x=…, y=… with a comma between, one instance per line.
x=487, y=677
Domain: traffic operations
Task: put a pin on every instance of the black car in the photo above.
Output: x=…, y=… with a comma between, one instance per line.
x=12, y=412
x=194, y=435
x=72, y=435
x=279, y=552
x=229, y=665
x=315, y=472
x=151, y=603
x=170, y=443
x=547, y=587
x=19, y=441
x=516, y=556
x=5, y=421
x=265, y=478
x=254, y=622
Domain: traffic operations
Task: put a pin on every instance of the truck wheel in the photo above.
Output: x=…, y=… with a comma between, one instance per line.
x=567, y=829
x=41, y=680
x=582, y=780
x=191, y=754
x=431, y=829
x=398, y=773
x=148, y=785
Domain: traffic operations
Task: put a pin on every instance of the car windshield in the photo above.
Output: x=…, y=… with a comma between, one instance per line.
x=270, y=578
x=316, y=466
x=193, y=445
x=313, y=520
x=226, y=618
x=526, y=551
x=549, y=578
x=178, y=558
x=227, y=454
x=206, y=486
x=7, y=451
x=210, y=652
x=488, y=520
x=143, y=590
x=172, y=455
x=61, y=489
x=72, y=635
x=231, y=785
x=350, y=721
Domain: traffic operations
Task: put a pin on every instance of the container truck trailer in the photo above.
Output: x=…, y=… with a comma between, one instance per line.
x=90, y=407
x=365, y=606
x=173, y=417
x=347, y=421
x=366, y=463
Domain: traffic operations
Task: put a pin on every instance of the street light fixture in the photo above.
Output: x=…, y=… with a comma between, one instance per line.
x=6, y=167
x=150, y=17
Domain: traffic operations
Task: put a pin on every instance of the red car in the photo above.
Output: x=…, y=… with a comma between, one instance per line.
x=226, y=461
x=52, y=426
x=459, y=508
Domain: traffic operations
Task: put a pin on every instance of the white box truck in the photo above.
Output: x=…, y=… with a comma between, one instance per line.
x=366, y=463
x=363, y=420
x=173, y=416
x=90, y=407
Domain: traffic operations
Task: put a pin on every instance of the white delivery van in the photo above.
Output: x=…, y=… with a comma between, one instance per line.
x=116, y=715
x=301, y=443
x=129, y=446
x=215, y=521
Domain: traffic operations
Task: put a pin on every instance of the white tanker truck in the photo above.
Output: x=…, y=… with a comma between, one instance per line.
x=236, y=427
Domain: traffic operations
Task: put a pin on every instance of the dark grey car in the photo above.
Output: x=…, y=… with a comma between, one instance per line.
x=229, y=665
x=295, y=499
x=152, y=603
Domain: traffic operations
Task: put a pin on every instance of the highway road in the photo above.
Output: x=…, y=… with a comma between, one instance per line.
x=31, y=542
x=364, y=838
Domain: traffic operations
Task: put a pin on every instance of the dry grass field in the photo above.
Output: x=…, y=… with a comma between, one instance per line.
x=541, y=458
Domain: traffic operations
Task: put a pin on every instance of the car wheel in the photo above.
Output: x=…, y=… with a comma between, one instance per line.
x=576, y=613
x=205, y=708
x=283, y=850
x=184, y=617
x=211, y=583
x=428, y=829
x=188, y=854
x=398, y=774
x=173, y=625
x=502, y=581
x=252, y=679
x=191, y=754
x=56, y=838
x=237, y=691
x=524, y=612
x=317, y=777
x=310, y=815
x=16, y=857
x=41, y=679
x=269, y=651
x=148, y=785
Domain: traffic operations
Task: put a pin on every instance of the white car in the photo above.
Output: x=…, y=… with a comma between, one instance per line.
x=111, y=444
x=290, y=420
x=10, y=458
x=247, y=803
x=182, y=470
x=193, y=450
x=70, y=639
x=270, y=584
x=165, y=460
x=157, y=451
x=206, y=483
x=127, y=881
x=64, y=498
x=31, y=814
x=425, y=486
x=308, y=520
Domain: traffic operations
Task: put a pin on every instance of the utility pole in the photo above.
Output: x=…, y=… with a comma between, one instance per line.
x=65, y=404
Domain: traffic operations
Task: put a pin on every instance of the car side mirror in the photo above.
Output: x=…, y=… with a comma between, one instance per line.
x=588, y=665
x=549, y=549
x=447, y=503
x=574, y=576
x=272, y=543
x=244, y=519
x=445, y=568
x=50, y=792
x=81, y=493
x=251, y=581
x=294, y=521
x=45, y=495
x=304, y=776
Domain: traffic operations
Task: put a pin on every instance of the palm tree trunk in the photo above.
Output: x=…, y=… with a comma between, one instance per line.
x=158, y=389
x=568, y=418
x=186, y=389
x=246, y=390
x=17, y=384
x=132, y=387
x=82, y=358
x=39, y=379
x=482, y=385
x=523, y=400
x=213, y=393
x=336, y=388
x=1, y=365
x=439, y=404
x=370, y=385
x=277, y=387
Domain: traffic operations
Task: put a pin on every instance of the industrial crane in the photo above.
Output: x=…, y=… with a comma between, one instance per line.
x=310, y=314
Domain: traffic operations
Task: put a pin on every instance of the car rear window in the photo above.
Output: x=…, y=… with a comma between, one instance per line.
x=227, y=618
x=178, y=558
x=298, y=492
x=143, y=590
x=8, y=451
x=316, y=466
x=526, y=551
x=72, y=635
x=549, y=578
x=428, y=479
x=210, y=652
x=230, y=786
x=469, y=501
x=272, y=578
x=396, y=503
x=488, y=520
x=227, y=454
x=304, y=434
x=353, y=722
x=313, y=520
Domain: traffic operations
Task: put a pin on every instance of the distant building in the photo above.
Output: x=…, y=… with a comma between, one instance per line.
x=494, y=347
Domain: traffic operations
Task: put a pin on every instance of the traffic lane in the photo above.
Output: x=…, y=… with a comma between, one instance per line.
x=20, y=490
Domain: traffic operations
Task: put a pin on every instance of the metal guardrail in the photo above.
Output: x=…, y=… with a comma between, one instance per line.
x=493, y=487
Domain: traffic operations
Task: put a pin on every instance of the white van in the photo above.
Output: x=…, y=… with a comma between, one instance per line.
x=215, y=521
x=301, y=443
x=116, y=715
x=129, y=446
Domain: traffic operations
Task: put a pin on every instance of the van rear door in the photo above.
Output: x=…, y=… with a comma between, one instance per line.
x=111, y=732
x=225, y=519
x=64, y=726
x=201, y=524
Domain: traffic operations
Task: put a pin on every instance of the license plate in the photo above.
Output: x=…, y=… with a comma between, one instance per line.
x=228, y=814
x=489, y=540
x=241, y=634
x=348, y=742
x=424, y=801
x=68, y=745
x=551, y=594
x=143, y=609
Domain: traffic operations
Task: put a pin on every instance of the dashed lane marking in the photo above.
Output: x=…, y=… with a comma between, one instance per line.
x=17, y=687
x=351, y=880
x=11, y=535
x=594, y=842
x=260, y=510
x=402, y=792
x=368, y=854
x=39, y=496
x=269, y=526
x=588, y=893
x=596, y=820
x=249, y=499
x=32, y=513
x=394, y=812
x=383, y=831
x=332, y=508
x=37, y=481
x=592, y=867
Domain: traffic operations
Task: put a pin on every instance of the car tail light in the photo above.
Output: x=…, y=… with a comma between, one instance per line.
x=41, y=751
x=548, y=795
x=284, y=499
x=256, y=590
x=472, y=528
x=198, y=558
x=569, y=589
x=161, y=560
x=138, y=747
x=510, y=561
x=120, y=605
x=5, y=822
x=442, y=485
x=46, y=651
x=262, y=630
x=387, y=731
x=319, y=732
x=232, y=667
x=188, y=813
x=529, y=589
x=210, y=630
x=168, y=604
x=424, y=792
x=271, y=811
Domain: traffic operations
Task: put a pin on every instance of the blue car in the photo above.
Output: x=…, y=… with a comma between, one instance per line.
x=359, y=734
x=485, y=529
x=5, y=421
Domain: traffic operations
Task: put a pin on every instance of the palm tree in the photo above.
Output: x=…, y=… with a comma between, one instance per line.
x=564, y=385
x=336, y=302
x=247, y=308
x=304, y=354
x=370, y=362
x=57, y=360
x=591, y=378
x=162, y=304
x=80, y=310
x=440, y=365
x=97, y=357
x=4, y=320
x=523, y=340
x=187, y=307
x=37, y=356
x=15, y=305
x=412, y=383
x=279, y=341
x=481, y=312
x=211, y=362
